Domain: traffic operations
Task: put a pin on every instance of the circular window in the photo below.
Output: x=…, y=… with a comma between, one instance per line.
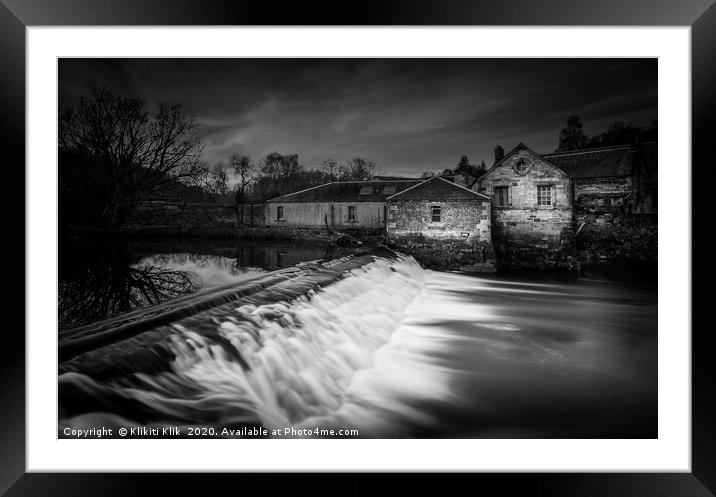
x=522, y=166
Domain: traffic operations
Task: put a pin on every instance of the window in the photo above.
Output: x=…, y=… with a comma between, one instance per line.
x=351, y=213
x=501, y=196
x=365, y=190
x=388, y=190
x=279, y=213
x=544, y=194
x=435, y=212
x=522, y=166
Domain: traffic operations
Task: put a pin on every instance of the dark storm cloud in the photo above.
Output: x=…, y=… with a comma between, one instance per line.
x=410, y=115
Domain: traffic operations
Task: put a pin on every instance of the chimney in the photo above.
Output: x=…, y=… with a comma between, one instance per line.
x=499, y=154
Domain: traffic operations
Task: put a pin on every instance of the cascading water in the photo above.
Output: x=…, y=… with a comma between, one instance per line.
x=392, y=350
x=344, y=356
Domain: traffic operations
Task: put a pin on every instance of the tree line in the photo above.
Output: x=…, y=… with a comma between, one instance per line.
x=277, y=174
x=113, y=150
x=573, y=136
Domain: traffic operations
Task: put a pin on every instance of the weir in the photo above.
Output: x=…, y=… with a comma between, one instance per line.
x=329, y=343
x=376, y=343
x=282, y=284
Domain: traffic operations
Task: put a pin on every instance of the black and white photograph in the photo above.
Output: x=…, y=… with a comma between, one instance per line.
x=344, y=248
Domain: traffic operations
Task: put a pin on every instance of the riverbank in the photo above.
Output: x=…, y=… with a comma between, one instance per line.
x=474, y=256
x=218, y=232
x=594, y=246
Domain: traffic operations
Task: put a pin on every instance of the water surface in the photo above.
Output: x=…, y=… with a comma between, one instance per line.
x=390, y=349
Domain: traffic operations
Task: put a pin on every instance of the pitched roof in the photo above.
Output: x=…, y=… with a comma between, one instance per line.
x=520, y=146
x=437, y=188
x=349, y=191
x=594, y=163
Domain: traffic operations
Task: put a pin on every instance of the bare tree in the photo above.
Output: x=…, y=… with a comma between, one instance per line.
x=359, y=168
x=216, y=178
x=131, y=151
x=278, y=166
x=331, y=170
x=244, y=172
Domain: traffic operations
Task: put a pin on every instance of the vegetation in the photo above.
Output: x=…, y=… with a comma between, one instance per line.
x=113, y=152
x=463, y=168
x=466, y=169
x=625, y=239
x=573, y=136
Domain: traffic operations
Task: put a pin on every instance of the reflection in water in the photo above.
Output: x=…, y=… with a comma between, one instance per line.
x=109, y=283
x=209, y=270
x=395, y=351
x=103, y=280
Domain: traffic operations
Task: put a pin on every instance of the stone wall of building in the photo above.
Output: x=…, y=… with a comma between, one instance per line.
x=459, y=219
x=601, y=192
x=368, y=215
x=533, y=238
x=251, y=214
x=523, y=232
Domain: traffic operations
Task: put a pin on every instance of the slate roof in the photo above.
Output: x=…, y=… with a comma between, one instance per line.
x=348, y=191
x=595, y=163
x=437, y=188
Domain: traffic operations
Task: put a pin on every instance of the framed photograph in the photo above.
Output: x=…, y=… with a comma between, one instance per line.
x=419, y=240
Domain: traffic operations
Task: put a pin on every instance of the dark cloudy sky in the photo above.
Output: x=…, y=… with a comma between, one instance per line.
x=410, y=115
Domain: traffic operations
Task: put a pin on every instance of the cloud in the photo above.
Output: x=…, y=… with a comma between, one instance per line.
x=410, y=115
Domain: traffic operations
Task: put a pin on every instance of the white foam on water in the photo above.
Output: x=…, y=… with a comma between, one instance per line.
x=349, y=355
x=211, y=270
x=360, y=353
x=385, y=350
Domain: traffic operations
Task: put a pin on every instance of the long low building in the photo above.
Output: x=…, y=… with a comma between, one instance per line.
x=433, y=208
x=341, y=204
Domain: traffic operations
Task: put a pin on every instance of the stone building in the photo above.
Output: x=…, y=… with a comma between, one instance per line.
x=540, y=201
x=439, y=209
x=434, y=208
x=341, y=204
x=622, y=176
x=531, y=200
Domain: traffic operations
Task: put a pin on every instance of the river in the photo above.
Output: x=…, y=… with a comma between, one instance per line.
x=389, y=349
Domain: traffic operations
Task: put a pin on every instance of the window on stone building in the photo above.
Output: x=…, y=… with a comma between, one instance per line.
x=389, y=190
x=544, y=194
x=279, y=213
x=351, y=213
x=435, y=212
x=501, y=196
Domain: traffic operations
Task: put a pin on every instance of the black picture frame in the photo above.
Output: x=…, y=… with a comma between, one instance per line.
x=16, y=15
